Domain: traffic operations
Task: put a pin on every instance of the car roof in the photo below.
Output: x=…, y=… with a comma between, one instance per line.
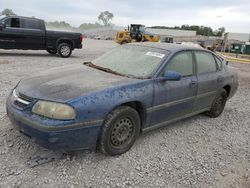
x=23, y=17
x=167, y=46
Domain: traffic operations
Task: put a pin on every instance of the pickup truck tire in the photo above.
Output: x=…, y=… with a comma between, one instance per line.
x=51, y=51
x=218, y=104
x=64, y=50
x=120, y=130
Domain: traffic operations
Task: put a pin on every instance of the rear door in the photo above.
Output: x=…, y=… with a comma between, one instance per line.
x=11, y=35
x=33, y=33
x=174, y=99
x=209, y=80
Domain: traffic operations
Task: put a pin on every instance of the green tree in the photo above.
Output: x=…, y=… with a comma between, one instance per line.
x=7, y=12
x=201, y=30
x=106, y=17
x=184, y=27
x=90, y=26
x=59, y=24
x=207, y=31
x=194, y=27
x=220, y=31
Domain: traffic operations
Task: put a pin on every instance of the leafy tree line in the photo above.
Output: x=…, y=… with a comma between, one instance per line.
x=65, y=25
x=104, y=18
x=201, y=30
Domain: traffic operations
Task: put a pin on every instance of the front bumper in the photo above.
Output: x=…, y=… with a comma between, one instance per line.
x=67, y=137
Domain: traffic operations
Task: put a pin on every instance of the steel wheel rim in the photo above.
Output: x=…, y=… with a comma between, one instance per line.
x=122, y=132
x=65, y=50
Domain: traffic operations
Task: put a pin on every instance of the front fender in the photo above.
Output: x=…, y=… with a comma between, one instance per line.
x=96, y=105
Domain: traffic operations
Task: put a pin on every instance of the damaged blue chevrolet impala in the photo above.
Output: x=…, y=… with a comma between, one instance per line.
x=109, y=102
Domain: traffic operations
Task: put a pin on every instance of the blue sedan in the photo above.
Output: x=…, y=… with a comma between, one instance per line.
x=109, y=102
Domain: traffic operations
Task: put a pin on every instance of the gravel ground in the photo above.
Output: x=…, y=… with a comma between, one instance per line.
x=196, y=152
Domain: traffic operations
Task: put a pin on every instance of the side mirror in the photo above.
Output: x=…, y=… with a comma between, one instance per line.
x=172, y=76
x=2, y=25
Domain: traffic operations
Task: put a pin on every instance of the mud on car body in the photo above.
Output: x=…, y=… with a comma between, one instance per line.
x=109, y=102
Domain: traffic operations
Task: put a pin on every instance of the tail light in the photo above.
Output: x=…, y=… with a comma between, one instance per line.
x=81, y=38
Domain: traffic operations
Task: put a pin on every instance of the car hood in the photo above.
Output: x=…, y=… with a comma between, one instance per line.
x=67, y=82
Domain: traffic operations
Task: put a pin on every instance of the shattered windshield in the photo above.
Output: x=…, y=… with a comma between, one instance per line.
x=132, y=60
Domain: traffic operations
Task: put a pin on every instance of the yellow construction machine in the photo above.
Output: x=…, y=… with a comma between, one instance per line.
x=135, y=33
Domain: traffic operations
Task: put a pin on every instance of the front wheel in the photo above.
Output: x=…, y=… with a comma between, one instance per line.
x=218, y=104
x=119, y=131
x=64, y=50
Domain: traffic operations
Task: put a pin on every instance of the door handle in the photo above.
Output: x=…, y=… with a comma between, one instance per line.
x=220, y=79
x=193, y=83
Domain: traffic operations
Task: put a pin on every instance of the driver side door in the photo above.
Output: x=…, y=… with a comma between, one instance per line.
x=174, y=99
x=10, y=36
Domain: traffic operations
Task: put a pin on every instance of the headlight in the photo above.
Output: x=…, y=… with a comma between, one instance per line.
x=54, y=110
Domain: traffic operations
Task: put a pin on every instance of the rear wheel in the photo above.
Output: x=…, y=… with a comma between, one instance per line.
x=120, y=130
x=218, y=104
x=139, y=38
x=64, y=50
x=51, y=51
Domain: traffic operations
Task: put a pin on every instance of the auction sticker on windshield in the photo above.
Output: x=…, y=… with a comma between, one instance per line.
x=155, y=54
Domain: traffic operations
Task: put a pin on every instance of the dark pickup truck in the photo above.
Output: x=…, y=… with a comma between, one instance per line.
x=31, y=34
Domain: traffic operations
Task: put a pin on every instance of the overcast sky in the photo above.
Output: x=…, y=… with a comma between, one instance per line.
x=234, y=15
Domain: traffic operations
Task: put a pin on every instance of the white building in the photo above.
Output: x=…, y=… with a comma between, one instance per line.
x=172, y=35
x=172, y=32
x=242, y=37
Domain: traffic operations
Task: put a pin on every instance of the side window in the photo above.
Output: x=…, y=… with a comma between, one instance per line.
x=8, y=22
x=182, y=63
x=219, y=62
x=205, y=62
x=13, y=22
x=30, y=24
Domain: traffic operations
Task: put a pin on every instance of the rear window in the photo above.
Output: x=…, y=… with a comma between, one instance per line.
x=30, y=24
x=205, y=62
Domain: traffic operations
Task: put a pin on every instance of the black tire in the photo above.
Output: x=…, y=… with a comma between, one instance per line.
x=64, y=50
x=218, y=104
x=51, y=51
x=120, y=130
x=139, y=38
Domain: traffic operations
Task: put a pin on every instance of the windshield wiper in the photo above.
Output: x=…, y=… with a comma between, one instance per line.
x=90, y=64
